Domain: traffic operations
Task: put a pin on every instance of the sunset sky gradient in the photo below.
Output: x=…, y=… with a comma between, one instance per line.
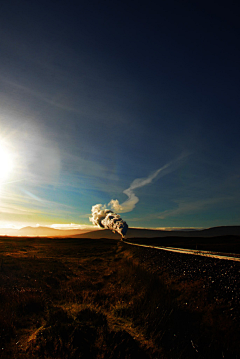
x=120, y=100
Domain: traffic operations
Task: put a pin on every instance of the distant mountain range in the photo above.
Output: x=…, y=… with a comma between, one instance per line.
x=41, y=231
x=152, y=233
x=132, y=232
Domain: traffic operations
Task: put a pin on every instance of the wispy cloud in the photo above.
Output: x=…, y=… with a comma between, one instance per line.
x=132, y=200
x=75, y=97
x=41, y=96
x=184, y=207
x=30, y=204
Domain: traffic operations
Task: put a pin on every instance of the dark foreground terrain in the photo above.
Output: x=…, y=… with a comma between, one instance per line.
x=223, y=244
x=83, y=298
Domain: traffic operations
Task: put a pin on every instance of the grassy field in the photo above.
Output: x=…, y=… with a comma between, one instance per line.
x=82, y=298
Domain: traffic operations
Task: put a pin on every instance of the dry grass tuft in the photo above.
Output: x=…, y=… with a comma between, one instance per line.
x=76, y=298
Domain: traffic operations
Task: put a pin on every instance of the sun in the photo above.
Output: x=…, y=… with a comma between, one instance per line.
x=6, y=162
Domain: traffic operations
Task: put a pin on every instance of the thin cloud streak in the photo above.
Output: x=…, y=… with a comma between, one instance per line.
x=83, y=104
x=189, y=207
x=132, y=200
x=42, y=97
x=20, y=180
x=11, y=209
x=17, y=204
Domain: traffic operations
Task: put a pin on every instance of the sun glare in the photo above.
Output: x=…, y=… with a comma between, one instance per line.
x=6, y=163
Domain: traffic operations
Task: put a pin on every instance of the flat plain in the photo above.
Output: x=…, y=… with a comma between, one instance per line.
x=101, y=298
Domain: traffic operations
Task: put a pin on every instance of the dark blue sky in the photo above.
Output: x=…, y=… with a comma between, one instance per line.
x=94, y=95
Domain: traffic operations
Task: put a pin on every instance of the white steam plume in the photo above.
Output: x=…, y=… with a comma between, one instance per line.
x=105, y=218
x=132, y=200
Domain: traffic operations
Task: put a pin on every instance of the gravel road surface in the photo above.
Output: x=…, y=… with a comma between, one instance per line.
x=220, y=279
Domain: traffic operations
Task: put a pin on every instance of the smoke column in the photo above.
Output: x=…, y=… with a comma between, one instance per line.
x=105, y=218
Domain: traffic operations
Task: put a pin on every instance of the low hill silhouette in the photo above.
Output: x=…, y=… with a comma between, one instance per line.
x=41, y=231
x=151, y=233
x=132, y=232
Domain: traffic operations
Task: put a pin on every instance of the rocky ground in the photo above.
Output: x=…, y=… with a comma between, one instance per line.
x=216, y=281
x=115, y=299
